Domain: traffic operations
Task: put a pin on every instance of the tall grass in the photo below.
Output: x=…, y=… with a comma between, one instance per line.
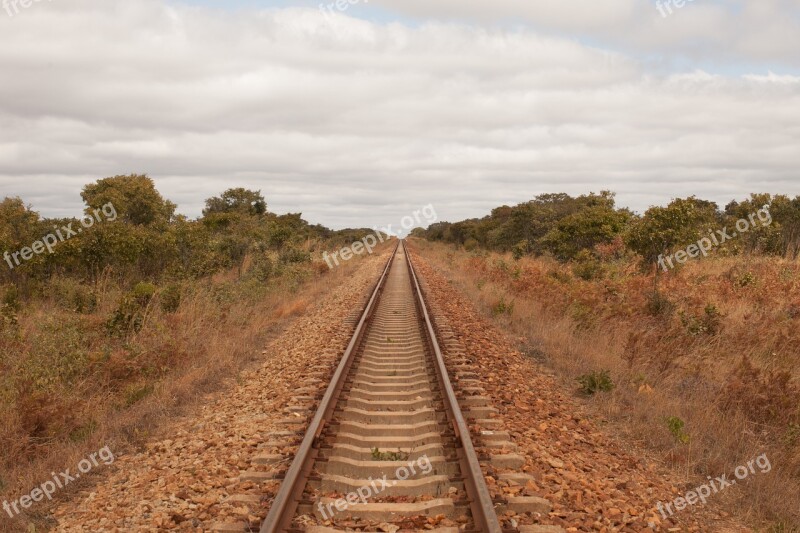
x=85, y=366
x=715, y=349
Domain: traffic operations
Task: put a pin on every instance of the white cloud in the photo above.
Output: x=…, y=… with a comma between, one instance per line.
x=358, y=123
x=733, y=30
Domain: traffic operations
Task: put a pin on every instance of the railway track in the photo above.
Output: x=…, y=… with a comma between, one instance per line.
x=388, y=448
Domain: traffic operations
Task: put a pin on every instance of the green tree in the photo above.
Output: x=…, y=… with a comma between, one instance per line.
x=18, y=222
x=529, y=222
x=776, y=230
x=134, y=198
x=679, y=224
x=663, y=229
x=585, y=229
x=20, y=226
x=237, y=200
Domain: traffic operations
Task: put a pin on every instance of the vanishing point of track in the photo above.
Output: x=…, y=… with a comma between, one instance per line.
x=389, y=404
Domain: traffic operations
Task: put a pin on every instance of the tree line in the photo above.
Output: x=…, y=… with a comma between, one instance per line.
x=149, y=240
x=580, y=228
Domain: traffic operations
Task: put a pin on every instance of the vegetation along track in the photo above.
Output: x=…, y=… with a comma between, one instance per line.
x=388, y=429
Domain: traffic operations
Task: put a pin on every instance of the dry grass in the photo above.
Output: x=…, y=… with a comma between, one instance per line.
x=720, y=353
x=129, y=388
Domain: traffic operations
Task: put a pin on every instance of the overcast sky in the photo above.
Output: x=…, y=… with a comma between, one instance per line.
x=360, y=117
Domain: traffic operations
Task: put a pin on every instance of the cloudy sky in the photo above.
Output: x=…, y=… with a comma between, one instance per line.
x=359, y=116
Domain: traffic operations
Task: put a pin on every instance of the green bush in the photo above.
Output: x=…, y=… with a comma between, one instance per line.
x=558, y=275
x=292, y=256
x=263, y=268
x=73, y=295
x=8, y=316
x=583, y=314
x=676, y=426
x=11, y=299
x=587, y=266
x=129, y=316
x=708, y=323
x=58, y=353
x=745, y=279
x=595, y=382
x=170, y=298
x=521, y=249
x=583, y=230
x=502, y=307
x=143, y=293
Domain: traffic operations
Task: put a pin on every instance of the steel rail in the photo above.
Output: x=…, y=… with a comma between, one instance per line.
x=284, y=506
x=483, y=512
